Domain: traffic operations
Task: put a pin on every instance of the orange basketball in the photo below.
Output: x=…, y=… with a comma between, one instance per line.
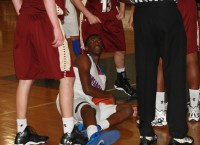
x=102, y=100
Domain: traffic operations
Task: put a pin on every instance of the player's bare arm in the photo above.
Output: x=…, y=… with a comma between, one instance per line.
x=83, y=64
x=17, y=4
x=121, y=14
x=91, y=18
x=51, y=11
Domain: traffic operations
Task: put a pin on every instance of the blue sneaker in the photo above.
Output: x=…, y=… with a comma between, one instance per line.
x=105, y=138
x=82, y=129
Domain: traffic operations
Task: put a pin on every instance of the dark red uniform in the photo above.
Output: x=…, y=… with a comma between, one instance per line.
x=188, y=9
x=34, y=56
x=61, y=4
x=110, y=30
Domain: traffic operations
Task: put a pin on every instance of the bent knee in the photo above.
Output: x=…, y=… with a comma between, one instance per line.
x=88, y=110
x=130, y=110
x=127, y=110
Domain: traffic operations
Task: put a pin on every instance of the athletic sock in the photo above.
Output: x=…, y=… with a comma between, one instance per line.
x=21, y=124
x=194, y=97
x=91, y=129
x=160, y=101
x=104, y=124
x=68, y=124
x=119, y=70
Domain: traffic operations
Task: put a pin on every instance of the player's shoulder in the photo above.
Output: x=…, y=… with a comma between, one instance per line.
x=81, y=60
x=82, y=57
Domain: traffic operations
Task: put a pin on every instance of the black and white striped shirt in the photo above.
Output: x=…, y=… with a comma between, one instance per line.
x=143, y=1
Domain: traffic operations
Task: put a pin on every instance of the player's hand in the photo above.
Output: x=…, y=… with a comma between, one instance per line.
x=130, y=22
x=58, y=37
x=66, y=12
x=120, y=16
x=93, y=19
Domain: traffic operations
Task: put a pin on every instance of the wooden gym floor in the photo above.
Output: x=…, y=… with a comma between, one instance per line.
x=42, y=113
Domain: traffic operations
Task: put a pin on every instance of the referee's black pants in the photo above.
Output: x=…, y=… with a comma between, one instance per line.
x=159, y=32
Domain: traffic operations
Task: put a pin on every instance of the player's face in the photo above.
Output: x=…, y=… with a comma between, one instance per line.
x=95, y=45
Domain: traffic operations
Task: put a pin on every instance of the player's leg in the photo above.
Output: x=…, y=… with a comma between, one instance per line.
x=24, y=58
x=25, y=133
x=71, y=132
x=189, y=14
x=160, y=110
x=123, y=112
x=122, y=82
x=95, y=136
x=193, y=84
x=71, y=27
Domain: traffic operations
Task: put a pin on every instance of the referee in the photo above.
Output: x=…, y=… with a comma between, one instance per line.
x=159, y=32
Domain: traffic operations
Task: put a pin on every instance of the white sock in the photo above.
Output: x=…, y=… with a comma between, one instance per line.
x=119, y=70
x=194, y=97
x=160, y=101
x=104, y=124
x=21, y=124
x=199, y=95
x=91, y=129
x=68, y=124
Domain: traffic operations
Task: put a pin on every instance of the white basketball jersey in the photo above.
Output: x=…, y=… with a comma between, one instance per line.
x=98, y=80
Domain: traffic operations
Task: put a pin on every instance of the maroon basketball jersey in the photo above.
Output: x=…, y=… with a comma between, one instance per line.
x=101, y=5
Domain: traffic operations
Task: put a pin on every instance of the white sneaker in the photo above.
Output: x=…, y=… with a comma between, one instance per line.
x=160, y=118
x=194, y=113
x=184, y=141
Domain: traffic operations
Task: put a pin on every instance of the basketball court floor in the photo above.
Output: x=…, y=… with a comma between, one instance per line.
x=42, y=113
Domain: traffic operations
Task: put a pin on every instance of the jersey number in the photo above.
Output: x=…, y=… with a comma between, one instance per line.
x=106, y=5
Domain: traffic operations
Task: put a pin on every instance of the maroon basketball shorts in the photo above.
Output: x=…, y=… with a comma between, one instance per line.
x=188, y=10
x=34, y=55
x=110, y=31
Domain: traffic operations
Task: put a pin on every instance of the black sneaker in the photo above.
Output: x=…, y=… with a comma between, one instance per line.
x=74, y=138
x=148, y=140
x=29, y=136
x=122, y=83
x=183, y=141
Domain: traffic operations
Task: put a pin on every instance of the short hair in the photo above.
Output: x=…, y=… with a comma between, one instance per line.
x=89, y=37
